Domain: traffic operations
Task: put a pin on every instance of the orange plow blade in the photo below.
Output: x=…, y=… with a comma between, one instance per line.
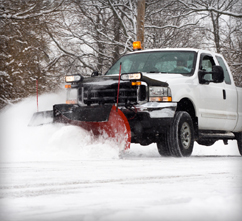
x=115, y=125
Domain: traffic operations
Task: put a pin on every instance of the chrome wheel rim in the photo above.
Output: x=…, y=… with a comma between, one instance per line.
x=185, y=135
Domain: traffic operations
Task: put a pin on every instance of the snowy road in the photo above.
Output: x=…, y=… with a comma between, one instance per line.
x=57, y=172
x=132, y=188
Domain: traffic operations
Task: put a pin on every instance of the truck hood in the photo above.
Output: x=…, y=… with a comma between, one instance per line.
x=168, y=78
x=105, y=81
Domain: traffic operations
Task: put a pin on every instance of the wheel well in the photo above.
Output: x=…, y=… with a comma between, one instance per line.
x=186, y=104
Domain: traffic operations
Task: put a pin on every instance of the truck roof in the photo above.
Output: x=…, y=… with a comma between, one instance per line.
x=175, y=49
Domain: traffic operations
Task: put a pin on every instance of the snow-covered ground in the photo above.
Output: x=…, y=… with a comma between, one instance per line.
x=57, y=172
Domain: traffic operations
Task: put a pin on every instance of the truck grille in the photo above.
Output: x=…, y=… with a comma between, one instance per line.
x=107, y=95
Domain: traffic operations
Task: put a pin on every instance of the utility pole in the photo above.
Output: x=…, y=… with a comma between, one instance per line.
x=140, y=21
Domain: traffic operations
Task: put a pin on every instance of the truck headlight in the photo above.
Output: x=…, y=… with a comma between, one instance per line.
x=159, y=94
x=131, y=76
x=73, y=78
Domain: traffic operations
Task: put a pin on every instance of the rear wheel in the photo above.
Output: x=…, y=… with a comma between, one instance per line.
x=181, y=135
x=239, y=142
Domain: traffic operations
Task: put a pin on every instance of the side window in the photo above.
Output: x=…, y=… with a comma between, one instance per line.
x=206, y=64
x=226, y=73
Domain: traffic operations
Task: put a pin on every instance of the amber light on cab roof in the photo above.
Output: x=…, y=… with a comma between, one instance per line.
x=137, y=45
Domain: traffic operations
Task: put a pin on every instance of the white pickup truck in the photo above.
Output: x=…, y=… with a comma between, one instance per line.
x=172, y=97
x=201, y=99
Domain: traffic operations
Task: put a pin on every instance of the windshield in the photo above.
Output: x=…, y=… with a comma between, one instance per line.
x=181, y=62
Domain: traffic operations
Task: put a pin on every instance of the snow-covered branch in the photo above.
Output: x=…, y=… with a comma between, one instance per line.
x=28, y=13
x=171, y=26
x=202, y=6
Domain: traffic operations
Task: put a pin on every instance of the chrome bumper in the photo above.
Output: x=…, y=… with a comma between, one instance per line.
x=158, y=110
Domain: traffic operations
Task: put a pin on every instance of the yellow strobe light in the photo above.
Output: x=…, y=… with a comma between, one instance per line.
x=137, y=45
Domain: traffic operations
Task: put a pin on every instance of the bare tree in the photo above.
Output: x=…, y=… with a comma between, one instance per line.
x=48, y=39
x=170, y=25
x=103, y=30
x=23, y=47
x=221, y=21
x=140, y=21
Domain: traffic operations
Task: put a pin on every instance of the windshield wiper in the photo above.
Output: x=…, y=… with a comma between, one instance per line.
x=153, y=72
x=159, y=72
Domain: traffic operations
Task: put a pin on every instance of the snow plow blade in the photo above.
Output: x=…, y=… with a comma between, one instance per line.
x=40, y=118
x=101, y=120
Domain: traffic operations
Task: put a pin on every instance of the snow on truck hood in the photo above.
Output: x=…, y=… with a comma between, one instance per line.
x=165, y=77
x=109, y=80
x=155, y=79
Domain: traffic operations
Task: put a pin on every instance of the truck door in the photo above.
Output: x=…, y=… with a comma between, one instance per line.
x=230, y=96
x=212, y=105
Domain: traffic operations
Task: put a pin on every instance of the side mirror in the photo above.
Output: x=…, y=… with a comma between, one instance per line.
x=216, y=76
x=204, y=77
x=94, y=74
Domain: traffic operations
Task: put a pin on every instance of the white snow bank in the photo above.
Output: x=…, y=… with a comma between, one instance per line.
x=19, y=142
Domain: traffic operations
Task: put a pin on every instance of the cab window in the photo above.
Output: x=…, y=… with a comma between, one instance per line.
x=206, y=65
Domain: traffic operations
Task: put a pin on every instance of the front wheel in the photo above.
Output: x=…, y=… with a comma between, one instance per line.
x=162, y=145
x=239, y=141
x=181, y=136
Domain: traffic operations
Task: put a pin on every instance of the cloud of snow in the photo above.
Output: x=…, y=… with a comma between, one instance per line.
x=19, y=142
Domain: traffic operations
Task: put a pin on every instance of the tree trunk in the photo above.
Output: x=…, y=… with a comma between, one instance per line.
x=140, y=21
x=215, y=21
x=117, y=27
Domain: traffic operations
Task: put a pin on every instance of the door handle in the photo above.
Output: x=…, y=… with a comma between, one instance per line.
x=224, y=94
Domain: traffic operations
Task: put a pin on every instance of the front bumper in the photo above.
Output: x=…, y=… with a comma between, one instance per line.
x=158, y=110
x=149, y=120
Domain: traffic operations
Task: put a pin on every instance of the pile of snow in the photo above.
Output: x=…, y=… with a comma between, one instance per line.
x=19, y=142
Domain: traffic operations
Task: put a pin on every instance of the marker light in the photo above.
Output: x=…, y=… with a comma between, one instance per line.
x=71, y=96
x=137, y=45
x=160, y=99
x=67, y=86
x=71, y=101
x=136, y=83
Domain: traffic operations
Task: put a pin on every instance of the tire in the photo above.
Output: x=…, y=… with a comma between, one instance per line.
x=206, y=142
x=239, y=141
x=162, y=146
x=181, y=136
